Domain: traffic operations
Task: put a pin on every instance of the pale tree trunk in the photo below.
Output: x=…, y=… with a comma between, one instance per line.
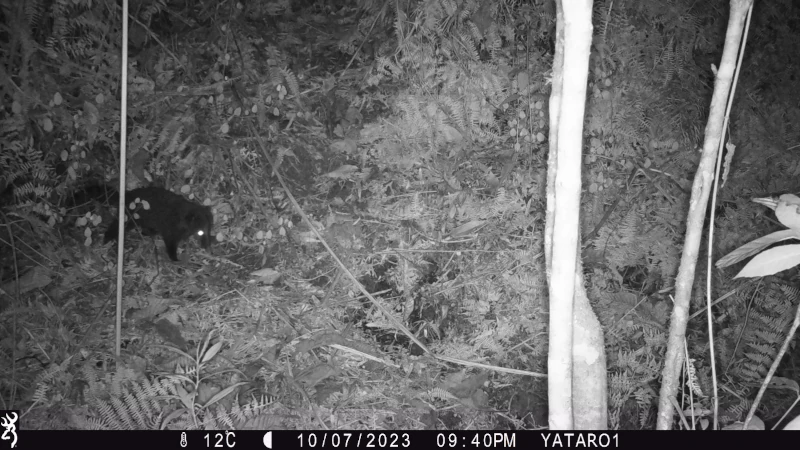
x=701, y=188
x=576, y=359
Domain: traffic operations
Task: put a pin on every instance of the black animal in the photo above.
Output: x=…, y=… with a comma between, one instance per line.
x=157, y=211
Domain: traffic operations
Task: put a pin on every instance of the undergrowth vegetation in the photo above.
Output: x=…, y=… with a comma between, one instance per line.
x=413, y=134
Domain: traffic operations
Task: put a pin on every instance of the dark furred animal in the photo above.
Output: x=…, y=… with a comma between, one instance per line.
x=157, y=211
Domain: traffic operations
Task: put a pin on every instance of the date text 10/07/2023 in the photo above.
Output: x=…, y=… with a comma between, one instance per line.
x=389, y=439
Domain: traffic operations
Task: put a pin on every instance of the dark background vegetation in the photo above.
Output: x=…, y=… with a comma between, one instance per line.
x=414, y=136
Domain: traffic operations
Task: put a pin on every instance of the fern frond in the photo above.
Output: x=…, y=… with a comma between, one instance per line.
x=33, y=12
x=291, y=81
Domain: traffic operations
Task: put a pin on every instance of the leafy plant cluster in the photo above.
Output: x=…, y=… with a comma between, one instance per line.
x=124, y=400
x=764, y=129
x=645, y=119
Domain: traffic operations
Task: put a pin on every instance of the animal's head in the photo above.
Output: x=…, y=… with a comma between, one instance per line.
x=201, y=222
